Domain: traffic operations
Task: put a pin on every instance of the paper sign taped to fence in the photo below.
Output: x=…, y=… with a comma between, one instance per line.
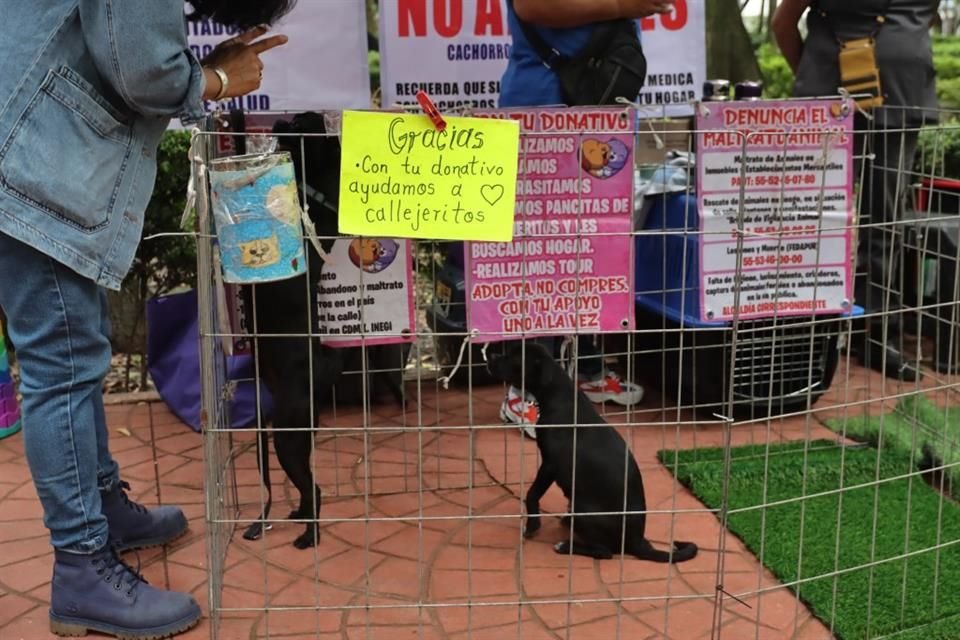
x=365, y=295
x=569, y=268
x=401, y=177
x=292, y=80
x=457, y=51
x=793, y=163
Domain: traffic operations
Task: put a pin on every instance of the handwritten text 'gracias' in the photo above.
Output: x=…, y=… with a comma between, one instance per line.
x=426, y=177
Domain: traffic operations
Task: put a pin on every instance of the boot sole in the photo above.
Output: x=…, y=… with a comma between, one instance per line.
x=152, y=543
x=75, y=628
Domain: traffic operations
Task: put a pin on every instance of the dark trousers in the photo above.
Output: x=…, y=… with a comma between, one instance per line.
x=589, y=358
x=885, y=182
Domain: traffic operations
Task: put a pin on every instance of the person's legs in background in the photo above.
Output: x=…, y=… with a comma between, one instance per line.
x=878, y=287
x=583, y=360
x=599, y=383
x=519, y=407
x=56, y=321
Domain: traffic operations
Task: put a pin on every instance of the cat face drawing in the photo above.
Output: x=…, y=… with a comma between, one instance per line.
x=260, y=253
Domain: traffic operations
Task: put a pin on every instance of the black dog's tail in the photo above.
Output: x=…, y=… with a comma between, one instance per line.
x=682, y=551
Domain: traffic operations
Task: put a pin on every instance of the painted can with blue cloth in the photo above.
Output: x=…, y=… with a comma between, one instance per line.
x=258, y=218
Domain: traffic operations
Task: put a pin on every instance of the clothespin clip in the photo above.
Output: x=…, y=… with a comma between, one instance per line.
x=432, y=112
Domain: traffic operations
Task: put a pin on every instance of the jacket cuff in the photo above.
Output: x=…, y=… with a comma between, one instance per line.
x=193, y=110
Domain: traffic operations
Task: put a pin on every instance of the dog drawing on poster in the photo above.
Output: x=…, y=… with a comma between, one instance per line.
x=603, y=160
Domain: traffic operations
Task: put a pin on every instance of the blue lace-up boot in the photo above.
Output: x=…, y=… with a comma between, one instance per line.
x=133, y=526
x=99, y=592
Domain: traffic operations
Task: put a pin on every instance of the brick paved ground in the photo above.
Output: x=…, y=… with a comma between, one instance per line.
x=423, y=537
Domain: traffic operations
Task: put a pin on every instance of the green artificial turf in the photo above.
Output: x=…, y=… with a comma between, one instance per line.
x=911, y=598
x=916, y=427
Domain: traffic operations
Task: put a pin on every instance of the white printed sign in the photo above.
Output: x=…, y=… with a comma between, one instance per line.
x=323, y=66
x=366, y=293
x=775, y=195
x=457, y=51
x=365, y=296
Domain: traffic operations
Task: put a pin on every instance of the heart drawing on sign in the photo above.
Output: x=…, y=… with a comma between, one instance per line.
x=492, y=193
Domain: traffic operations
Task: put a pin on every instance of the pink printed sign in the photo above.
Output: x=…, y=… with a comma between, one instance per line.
x=570, y=267
x=779, y=233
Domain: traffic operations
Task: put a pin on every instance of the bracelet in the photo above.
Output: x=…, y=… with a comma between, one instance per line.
x=224, y=83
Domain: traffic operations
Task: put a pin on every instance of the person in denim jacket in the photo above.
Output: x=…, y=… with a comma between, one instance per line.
x=566, y=25
x=87, y=88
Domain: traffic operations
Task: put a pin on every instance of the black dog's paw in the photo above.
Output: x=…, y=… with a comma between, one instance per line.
x=533, y=525
x=308, y=539
x=255, y=531
x=562, y=547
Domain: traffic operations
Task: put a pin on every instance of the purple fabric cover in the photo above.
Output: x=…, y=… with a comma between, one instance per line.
x=173, y=354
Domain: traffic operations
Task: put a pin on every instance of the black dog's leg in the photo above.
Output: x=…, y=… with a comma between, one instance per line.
x=293, y=451
x=255, y=530
x=536, y=491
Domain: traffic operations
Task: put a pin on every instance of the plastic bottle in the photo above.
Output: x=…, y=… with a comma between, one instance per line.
x=716, y=90
x=748, y=90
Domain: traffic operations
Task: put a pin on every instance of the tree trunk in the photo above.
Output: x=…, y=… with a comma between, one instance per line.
x=772, y=9
x=730, y=53
x=373, y=19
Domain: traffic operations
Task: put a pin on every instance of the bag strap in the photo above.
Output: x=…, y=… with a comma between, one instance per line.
x=881, y=19
x=551, y=56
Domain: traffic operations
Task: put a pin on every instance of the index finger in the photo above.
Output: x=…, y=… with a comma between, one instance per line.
x=250, y=35
x=266, y=44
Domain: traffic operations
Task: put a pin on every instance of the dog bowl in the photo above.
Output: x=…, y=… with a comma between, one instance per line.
x=258, y=218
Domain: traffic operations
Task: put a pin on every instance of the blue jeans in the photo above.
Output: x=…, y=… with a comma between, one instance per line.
x=59, y=325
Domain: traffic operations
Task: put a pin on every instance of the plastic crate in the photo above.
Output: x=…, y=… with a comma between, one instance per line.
x=667, y=260
x=778, y=366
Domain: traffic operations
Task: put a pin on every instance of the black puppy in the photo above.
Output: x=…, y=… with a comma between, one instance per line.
x=288, y=307
x=592, y=454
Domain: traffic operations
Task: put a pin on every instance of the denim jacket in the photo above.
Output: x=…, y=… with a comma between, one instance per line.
x=87, y=87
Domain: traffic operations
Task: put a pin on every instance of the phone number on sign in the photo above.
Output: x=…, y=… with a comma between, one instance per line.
x=794, y=180
x=772, y=260
x=796, y=229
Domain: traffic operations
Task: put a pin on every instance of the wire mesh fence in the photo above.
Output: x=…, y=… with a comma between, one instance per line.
x=785, y=381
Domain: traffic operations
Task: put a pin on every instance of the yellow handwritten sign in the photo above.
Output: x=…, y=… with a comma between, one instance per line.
x=402, y=178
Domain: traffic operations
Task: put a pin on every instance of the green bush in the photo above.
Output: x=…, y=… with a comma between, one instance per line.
x=938, y=152
x=373, y=58
x=163, y=264
x=946, y=60
x=777, y=75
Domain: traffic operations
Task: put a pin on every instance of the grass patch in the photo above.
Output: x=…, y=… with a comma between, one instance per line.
x=917, y=428
x=907, y=598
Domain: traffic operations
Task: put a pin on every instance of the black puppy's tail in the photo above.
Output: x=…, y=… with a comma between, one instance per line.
x=682, y=551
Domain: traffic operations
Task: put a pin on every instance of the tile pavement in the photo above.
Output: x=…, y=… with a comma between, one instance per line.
x=421, y=532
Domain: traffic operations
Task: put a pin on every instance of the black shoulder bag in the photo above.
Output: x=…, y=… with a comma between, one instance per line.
x=611, y=65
